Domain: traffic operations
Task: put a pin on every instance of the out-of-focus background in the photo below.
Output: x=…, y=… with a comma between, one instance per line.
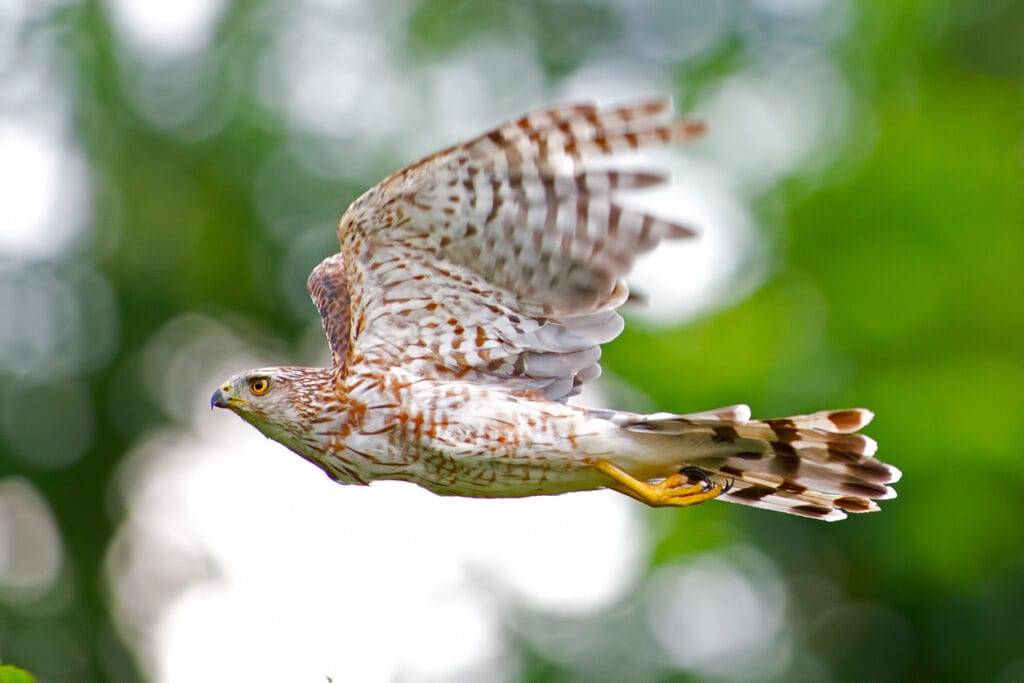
x=170, y=172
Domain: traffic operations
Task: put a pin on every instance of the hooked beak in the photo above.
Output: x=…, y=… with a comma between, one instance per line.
x=221, y=398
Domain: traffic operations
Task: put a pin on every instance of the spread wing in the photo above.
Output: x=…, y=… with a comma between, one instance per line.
x=500, y=259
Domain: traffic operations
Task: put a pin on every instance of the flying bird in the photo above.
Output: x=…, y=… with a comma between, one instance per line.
x=468, y=304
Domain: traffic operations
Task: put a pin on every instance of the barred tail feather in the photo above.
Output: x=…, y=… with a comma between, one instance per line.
x=811, y=465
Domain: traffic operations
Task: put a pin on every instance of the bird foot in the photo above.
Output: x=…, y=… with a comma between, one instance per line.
x=681, y=489
x=691, y=486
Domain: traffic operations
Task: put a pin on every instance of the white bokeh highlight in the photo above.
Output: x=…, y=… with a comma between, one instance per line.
x=721, y=615
x=31, y=551
x=771, y=120
x=165, y=29
x=43, y=178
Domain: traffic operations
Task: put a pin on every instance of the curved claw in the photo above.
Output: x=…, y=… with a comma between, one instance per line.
x=678, y=490
x=696, y=474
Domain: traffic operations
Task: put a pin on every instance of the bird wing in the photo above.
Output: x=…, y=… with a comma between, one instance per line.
x=328, y=286
x=502, y=258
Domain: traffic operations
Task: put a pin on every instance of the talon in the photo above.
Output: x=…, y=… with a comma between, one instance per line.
x=695, y=475
x=728, y=487
x=690, y=486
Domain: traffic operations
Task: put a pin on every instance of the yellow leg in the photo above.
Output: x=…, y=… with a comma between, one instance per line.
x=675, y=490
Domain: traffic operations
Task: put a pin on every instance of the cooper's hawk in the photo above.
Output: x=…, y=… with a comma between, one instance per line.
x=468, y=304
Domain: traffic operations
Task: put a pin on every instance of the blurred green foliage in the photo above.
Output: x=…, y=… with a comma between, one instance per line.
x=12, y=674
x=896, y=284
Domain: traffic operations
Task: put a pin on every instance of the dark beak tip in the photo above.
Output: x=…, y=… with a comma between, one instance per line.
x=218, y=400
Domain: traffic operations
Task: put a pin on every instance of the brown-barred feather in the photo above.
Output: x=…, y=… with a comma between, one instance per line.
x=517, y=239
x=810, y=465
x=328, y=287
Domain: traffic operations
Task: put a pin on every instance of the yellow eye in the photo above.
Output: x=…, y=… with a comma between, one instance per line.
x=259, y=385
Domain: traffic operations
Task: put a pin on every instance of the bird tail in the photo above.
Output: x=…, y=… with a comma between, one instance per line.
x=810, y=465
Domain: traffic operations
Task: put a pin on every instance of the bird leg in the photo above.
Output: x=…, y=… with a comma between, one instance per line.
x=678, y=490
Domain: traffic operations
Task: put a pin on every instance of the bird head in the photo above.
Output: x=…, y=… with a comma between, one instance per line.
x=280, y=402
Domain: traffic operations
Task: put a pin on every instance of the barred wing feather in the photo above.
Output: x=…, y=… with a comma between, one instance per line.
x=501, y=258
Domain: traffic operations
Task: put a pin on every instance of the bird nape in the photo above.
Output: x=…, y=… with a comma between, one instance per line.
x=467, y=305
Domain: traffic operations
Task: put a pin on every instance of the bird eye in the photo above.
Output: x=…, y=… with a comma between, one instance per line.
x=259, y=385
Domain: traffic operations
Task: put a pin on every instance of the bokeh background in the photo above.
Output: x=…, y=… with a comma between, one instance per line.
x=170, y=172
